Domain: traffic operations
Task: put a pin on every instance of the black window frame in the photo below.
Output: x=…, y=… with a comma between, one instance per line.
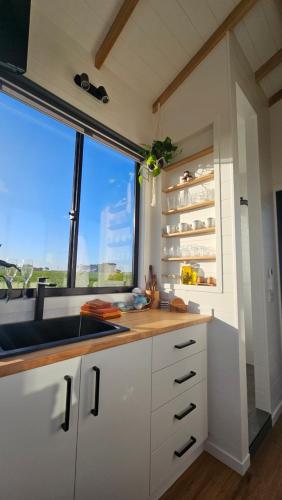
x=29, y=92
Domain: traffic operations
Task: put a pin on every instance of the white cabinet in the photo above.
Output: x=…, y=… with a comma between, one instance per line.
x=113, y=454
x=37, y=458
x=179, y=404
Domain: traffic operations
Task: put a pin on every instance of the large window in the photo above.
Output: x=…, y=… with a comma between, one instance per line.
x=47, y=169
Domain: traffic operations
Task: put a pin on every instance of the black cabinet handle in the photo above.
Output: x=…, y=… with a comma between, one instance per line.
x=185, y=344
x=186, y=377
x=66, y=425
x=95, y=410
x=180, y=416
x=189, y=445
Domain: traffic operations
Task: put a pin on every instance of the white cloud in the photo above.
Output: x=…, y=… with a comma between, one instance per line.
x=112, y=181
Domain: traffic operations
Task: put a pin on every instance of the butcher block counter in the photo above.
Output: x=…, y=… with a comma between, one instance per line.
x=142, y=325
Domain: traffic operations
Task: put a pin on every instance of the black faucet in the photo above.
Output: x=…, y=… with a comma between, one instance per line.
x=40, y=296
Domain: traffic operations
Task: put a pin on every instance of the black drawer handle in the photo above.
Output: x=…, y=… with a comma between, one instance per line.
x=180, y=416
x=95, y=410
x=66, y=424
x=186, y=377
x=189, y=445
x=185, y=344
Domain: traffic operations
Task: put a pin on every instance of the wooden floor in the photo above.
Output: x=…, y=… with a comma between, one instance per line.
x=209, y=479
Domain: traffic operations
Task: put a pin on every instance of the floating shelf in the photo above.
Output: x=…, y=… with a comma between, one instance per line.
x=193, y=182
x=189, y=159
x=190, y=208
x=206, y=258
x=195, y=232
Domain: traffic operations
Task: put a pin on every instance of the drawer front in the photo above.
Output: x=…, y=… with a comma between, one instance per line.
x=175, y=454
x=178, y=378
x=174, y=346
x=177, y=415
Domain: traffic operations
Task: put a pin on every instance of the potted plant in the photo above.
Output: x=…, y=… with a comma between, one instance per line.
x=156, y=157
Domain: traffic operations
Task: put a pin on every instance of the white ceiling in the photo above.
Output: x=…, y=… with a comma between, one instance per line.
x=162, y=35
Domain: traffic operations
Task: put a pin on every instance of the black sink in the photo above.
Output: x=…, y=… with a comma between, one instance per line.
x=28, y=336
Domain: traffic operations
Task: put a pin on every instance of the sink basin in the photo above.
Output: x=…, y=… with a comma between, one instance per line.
x=28, y=336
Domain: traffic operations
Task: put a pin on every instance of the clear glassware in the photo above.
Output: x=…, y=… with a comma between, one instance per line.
x=170, y=201
x=26, y=272
x=171, y=251
x=11, y=272
x=182, y=198
x=165, y=252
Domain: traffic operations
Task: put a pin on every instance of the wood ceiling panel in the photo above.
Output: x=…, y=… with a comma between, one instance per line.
x=153, y=28
x=140, y=44
x=221, y=8
x=260, y=33
x=272, y=10
x=247, y=45
x=200, y=16
x=178, y=24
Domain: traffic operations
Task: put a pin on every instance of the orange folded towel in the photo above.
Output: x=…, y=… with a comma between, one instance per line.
x=102, y=313
x=97, y=303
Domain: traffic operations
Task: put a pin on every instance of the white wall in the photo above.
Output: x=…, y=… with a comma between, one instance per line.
x=266, y=319
x=276, y=143
x=53, y=60
x=201, y=101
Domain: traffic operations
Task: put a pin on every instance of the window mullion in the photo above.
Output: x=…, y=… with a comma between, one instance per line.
x=74, y=211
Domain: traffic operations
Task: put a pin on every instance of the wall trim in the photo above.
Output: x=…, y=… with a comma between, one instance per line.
x=276, y=413
x=225, y=457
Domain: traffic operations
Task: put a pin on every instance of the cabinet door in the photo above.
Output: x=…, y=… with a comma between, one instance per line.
x=37, y=459
x=113, y=456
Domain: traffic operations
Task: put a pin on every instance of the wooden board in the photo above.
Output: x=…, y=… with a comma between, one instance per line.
x=189, y=159
x=275, y=98
x=142, y=326
x=116, y=28
x=187, y=184
x=195, y=232
x=190, y=208
x=208, y=258
x=269, y=65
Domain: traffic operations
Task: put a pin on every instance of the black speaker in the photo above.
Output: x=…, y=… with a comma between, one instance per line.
x=14, y=31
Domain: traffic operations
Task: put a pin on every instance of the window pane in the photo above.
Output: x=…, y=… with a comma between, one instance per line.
x=36, y=171
x=106, y=227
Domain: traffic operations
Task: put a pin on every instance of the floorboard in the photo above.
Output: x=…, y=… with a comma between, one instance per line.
x=209, y=479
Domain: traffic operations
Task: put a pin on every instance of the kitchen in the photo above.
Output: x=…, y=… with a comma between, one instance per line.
x=103, y=417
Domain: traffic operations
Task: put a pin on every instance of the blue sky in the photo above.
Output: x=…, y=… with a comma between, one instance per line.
x=36, y=173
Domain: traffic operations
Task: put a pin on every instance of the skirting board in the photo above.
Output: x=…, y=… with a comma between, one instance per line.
x=276, y=413
x=227, y=459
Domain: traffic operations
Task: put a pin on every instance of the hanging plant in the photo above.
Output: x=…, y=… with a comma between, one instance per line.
x=156, y=157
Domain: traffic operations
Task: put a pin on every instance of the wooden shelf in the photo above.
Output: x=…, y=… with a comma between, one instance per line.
x=206, y=258
x=189, y=159
x=190, y=208
x=194, y=232
x=193, y=182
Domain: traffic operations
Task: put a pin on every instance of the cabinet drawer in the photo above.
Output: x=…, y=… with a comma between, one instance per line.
x=174, y=346
x=178, y=378
x=164, y=461
x=176, y=415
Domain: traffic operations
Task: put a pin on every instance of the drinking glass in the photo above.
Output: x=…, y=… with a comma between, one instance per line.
x=11, y=272
x=171, y=201
x=26, y=272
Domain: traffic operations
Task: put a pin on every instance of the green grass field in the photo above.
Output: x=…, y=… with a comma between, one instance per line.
x=83, y=279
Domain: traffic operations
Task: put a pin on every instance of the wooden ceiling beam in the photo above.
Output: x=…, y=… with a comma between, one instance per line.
x=275, y=98
x=269, y=65
x=120, y=21
x=229, y=23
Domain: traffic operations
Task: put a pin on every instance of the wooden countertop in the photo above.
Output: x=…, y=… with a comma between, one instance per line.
x=142, y=325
